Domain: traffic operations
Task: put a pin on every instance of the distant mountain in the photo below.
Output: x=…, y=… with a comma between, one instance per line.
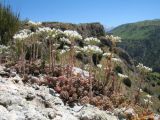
x=142, y=41
x=108, y=28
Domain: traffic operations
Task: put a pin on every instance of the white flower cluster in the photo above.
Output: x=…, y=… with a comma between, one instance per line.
x=62, y=51
x=141, y=90
x=66, y=49
x=23, y=34
x=116, y=60
x=106, y=54
x=65, y=40
x=72, y=34
x=3, y=49
x=56, y=45
x=148, y=99
x=91, y=41
x=34, y=23
x=113, y=38
x=143, y=68
x=99, y=65
x=91, y=49
x=122, y=76
x=86, y=67
x=44, y=29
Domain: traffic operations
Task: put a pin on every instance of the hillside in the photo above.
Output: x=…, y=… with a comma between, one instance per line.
x=141, y=40
x=81, y=70
x=19, y=101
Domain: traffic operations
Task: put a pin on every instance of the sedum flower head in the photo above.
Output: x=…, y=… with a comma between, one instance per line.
x=65, y=40
x=91, y=49
x=116, y=60
x=91, y=41
x=143, y=68
x=99, y=65
x=23, y=34
x=72, y=34
x=44, y=29
x=122, y=76
x=50, y=33
x=3, y=49
x=106, y=54
x=148, y=101
x=62, y=51
x=114, y=39
x=148, y=96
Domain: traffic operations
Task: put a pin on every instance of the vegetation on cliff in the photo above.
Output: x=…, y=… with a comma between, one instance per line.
x=141, y=40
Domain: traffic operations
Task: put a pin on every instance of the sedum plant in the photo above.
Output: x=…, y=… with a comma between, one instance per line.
x=144, y=70
x=110, y=61
x=89, y=51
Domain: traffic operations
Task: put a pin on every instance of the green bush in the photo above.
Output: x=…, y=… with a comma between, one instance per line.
x=159, y=97
x=147, y=90
x=153, y=85
x=118, y=69
x=158, y=83
x=9, y=24
x=127, y=82
x=153, y=76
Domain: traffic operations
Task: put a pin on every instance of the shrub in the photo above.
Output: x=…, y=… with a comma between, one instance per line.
x=158, y=83
x=9, y=24
x=147, y=90
x=153, y=76
x=127, y=82
x=118, y=69
x=159, y=97
x=153, y=85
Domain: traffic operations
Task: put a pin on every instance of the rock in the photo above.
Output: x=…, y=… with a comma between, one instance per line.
x=4, y=74
x=34, y=79
x=35, y=86
x=7, y=70
x=124, y=113
x=52, y=92
x=36, y=72
x=130, y=111
x=13, y=74
x=5, y=100
x=156, y=117
x=3, y=113
x=83, y=73
x=30, y=96
x=93, y=113
x=16, y=79
x=2, y=68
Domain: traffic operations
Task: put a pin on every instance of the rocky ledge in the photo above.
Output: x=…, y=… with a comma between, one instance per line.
x=19, y=101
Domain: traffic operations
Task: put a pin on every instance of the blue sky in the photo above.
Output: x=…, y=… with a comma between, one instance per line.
x=107, y=12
